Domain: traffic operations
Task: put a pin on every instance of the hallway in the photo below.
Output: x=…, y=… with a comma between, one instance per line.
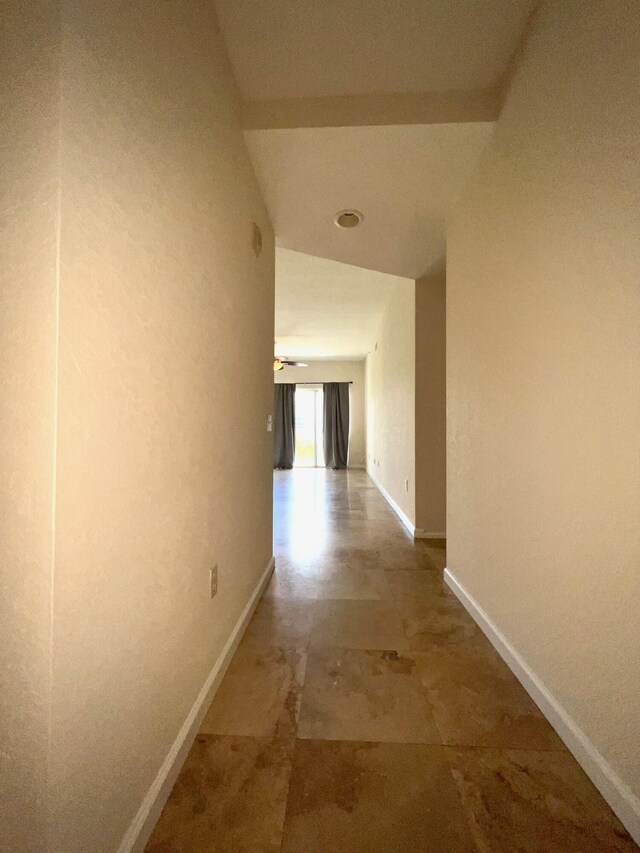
x=364, y=711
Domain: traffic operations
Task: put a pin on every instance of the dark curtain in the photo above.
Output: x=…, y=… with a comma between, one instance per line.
x=336, y=424
x=284, y=425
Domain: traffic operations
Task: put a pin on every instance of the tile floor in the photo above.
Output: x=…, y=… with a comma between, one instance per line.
x=364, y=712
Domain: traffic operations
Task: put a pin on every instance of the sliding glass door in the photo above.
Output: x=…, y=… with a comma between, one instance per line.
x=309, y=446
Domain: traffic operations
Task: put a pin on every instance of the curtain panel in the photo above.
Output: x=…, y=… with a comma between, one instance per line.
x=284, y=425
x=336, y=424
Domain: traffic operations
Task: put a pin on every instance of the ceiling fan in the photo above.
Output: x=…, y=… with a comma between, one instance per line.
x=281, y=361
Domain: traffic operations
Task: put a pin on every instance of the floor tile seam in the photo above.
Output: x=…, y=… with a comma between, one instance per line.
x=560, y=750
x=262, y=738
x=339, y=646
x=285, y=739
x=350, y=598
x=318, y=739
x=318, y=645
x=366, y=742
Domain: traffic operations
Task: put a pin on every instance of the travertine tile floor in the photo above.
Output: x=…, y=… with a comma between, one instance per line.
x=364, y=712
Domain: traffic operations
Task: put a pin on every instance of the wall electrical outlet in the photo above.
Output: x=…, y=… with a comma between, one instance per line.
x=406, y=485
x=213, y=580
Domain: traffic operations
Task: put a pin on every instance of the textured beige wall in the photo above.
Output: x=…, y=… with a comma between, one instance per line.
x=165, y=381
x=543, y=341
x=431, y=405
x=390, y=399
x=29, y=132
x=338, y=371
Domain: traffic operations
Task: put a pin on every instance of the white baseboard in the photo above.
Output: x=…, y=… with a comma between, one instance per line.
x=416, y=532
x=617, y=793
x=424, y=534
x=394, y=506
x=141, y=827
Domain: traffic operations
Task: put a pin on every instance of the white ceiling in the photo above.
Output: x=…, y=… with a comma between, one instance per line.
x=325, y=309
x=397, y=161
x=315, y=48
x=404, y=179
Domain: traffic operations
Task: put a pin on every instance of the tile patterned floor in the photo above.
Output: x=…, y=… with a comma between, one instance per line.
x=364, y=712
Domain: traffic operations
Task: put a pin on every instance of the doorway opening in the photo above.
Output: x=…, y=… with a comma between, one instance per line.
x=309, y=451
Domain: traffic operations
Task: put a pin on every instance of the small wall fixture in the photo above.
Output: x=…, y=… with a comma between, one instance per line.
x=348, y=218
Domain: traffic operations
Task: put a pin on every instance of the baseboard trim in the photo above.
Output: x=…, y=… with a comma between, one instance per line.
x=143, y=823
x=617, y=793
x=424, y=534
x=394, y=506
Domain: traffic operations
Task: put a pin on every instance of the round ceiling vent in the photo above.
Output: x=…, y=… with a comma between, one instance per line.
x=348, y=218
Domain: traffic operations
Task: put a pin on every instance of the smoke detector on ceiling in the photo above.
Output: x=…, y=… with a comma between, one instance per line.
x=348, y=218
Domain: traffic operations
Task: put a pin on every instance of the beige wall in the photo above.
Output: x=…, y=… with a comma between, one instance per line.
x=543, y=379
x=431, y=406
x=164, y=384
x=390, y=400
x=406, y=403
x=338, y=371
x=29, y=133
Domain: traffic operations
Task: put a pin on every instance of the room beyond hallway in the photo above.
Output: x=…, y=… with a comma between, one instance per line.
x=364, y=710
x=309, y=432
